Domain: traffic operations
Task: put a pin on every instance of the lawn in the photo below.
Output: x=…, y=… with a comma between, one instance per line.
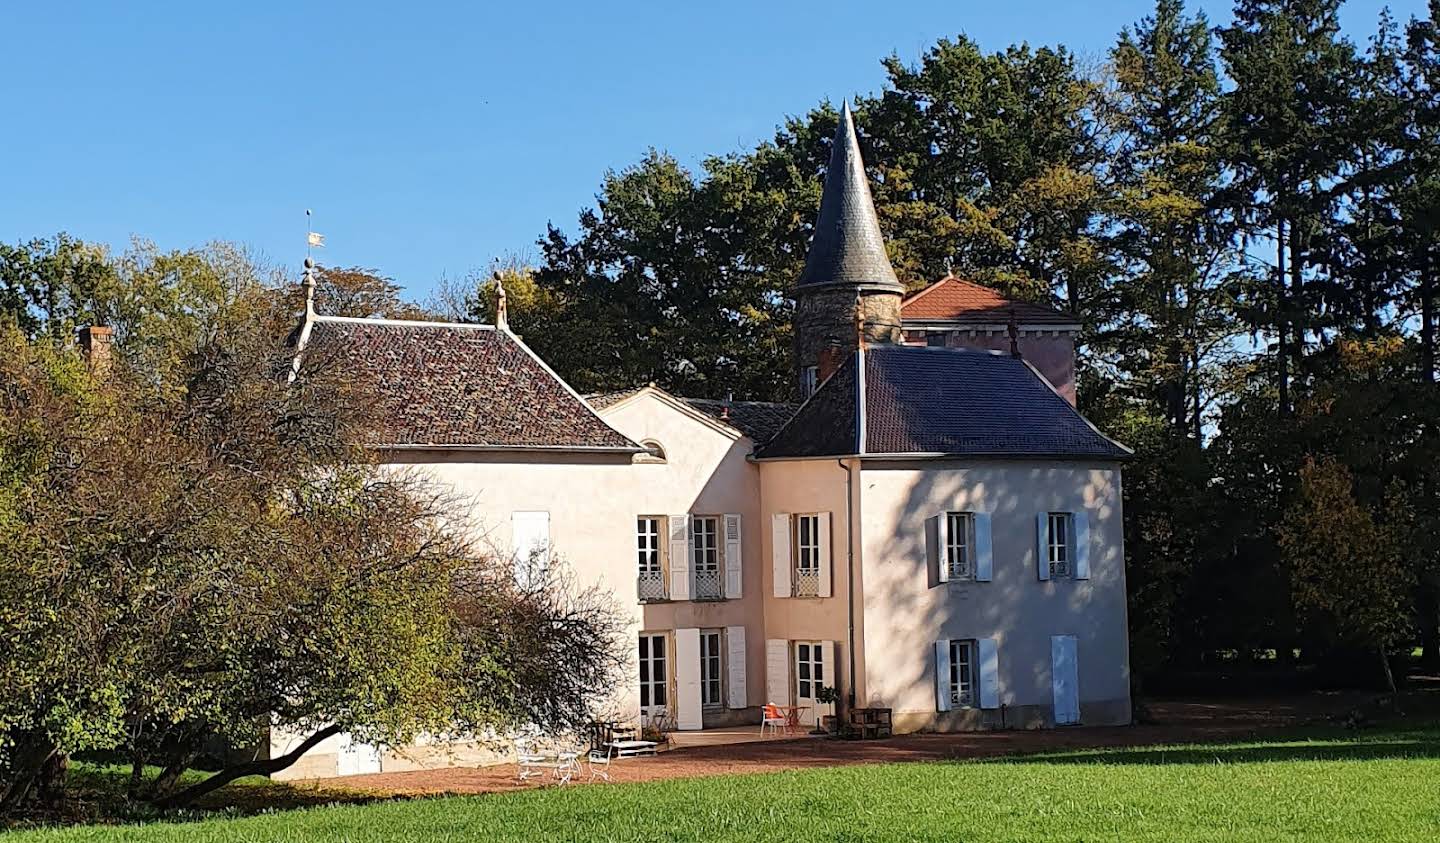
x=1375, y=786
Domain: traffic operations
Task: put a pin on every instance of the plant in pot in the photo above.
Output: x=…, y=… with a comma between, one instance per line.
x=829, y=723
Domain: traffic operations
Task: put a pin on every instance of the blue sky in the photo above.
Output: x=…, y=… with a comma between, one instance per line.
x=430, y=137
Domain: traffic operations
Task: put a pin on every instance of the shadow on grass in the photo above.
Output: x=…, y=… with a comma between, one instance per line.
x=1347, y=747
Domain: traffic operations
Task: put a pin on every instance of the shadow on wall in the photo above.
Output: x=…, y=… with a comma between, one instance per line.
x=1015, y=605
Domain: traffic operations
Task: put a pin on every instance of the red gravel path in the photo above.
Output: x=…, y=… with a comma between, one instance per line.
x=1172, y=722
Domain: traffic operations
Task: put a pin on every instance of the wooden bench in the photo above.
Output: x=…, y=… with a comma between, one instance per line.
x=870, y=722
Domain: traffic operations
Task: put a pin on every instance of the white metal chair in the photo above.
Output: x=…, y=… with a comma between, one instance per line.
x=773, y=717
x=598, y=762
x=530, y=762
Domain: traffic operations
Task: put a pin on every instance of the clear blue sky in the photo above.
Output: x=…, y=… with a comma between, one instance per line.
x=429, y=137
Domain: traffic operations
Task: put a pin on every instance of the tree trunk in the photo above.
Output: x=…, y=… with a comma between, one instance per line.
x=250, y=768
x=50, y=783
x=29, y=757
x=1389, y=676
x=164, y=784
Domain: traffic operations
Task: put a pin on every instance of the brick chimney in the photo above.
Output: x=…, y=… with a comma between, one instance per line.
x=828, y=360
x=95, y=342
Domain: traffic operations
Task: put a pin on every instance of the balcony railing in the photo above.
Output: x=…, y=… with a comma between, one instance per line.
x=709, y=585
x=807, y=582
x=651, y=586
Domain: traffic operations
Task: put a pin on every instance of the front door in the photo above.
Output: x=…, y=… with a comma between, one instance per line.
x=809, y=679
x=654, y=677
x=1064, y=676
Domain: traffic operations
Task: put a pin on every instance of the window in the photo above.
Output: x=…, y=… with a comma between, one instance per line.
x=654, y=679
x=710, y=668
x=806, y=538
x=808, y=377
x=935, y=338
x=809, y=670
x=960, y=545
x=705, y=542
x=962, y=674
x=654, y=452
x=647, y=547
x=1057, y=543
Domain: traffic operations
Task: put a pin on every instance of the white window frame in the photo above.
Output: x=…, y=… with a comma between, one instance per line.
x=712, y=668
x=650, y=557
x=648, y=661
x=806, y=564
x=809, y=666
x=1060, y=544
x=964, y=687
x=706, y=568
x=960, y=545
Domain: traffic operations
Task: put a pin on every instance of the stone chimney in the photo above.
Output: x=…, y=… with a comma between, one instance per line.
x=95, y=343
x=828, y=360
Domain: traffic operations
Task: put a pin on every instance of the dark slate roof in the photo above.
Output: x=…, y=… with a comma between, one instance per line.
x=964, y=302
x=758, y=420
x=923, y=400
x=847, y=247
x=461, y=386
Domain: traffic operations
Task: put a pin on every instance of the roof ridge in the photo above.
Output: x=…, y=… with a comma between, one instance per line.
x=403, y=323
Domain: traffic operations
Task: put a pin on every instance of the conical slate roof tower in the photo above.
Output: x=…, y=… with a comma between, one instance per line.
x=848, y=286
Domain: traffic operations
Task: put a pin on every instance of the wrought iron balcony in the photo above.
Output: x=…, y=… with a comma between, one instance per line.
x=807, y=582
x=651, y=586
x=709, y=585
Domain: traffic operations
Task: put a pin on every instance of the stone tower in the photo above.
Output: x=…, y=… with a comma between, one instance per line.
x=848, y=279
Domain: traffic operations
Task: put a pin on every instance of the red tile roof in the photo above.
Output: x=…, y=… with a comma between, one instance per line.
x=953, y=300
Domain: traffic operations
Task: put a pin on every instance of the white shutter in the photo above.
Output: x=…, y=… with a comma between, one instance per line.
x=825, y=556
x=680, y=551
x=830, y=658
x=777, y=671
x=935, y=549
x=530, y=541
x=989, y=658
x=984, y=551
x=942, y=675
x=780, y=553
x=687, y=679
x=735, y=658
x=1042, y=557
x=1082, y=545
x=734, y=581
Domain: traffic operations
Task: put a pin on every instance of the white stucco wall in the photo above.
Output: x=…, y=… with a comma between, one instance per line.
x=904, y=616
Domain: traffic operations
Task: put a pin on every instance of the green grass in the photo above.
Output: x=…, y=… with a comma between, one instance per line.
x=1377, y=786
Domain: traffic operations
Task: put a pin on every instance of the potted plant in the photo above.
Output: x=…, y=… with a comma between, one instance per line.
x=829, y=724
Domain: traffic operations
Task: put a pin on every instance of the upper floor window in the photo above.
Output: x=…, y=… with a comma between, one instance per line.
x=647, y=545
x=935, y=338
x=1059, y=545
x=809, y=377
x=960, y=545
x=807, y=555
x=705, y=546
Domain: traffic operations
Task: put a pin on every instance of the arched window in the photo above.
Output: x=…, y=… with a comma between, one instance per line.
x=654, y=452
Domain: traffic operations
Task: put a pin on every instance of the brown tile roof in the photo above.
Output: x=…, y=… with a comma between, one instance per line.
x=461, y=386
x=953, y=300
x=954, y=401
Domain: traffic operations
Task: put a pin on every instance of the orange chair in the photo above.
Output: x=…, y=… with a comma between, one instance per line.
x=773, y=717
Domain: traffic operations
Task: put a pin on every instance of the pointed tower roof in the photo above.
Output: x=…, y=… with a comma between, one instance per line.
x=848, y=249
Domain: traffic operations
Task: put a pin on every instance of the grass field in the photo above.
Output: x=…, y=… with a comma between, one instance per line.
x=1377, y=786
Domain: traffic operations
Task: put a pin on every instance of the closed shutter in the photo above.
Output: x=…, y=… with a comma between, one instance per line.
x=530, y=539
x=735, y=657
x=989, y=657
x=984, y=548
x=734, y=579
x=935, y=528
x=1081, y=522
x=942, y=675
x=687, y=679
x=825, y=556
x=830, y=658
x=1042, y=550
x=777, y=671
x=1064, y=678
x=680, y=552
x=780, y=553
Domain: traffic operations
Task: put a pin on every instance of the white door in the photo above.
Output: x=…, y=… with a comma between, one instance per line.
x=1064, y=676
x=356, y=758
x=810, y=677
x=654, y=677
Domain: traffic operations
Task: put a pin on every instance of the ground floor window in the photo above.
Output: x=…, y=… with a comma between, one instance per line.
x=809, y=670
x=962, y=674
x=711, y=665
x=654, y=676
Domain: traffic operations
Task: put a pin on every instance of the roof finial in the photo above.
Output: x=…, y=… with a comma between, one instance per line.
x=1013, y=328
x=502, y=320
x=307, y=283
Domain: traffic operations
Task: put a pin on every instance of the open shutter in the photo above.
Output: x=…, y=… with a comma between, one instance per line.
x=680, y=557
x=734, y=581
x=935, y=550
x=1042, y=556
x=1082, y=545
x=735, y=660
x=989, y=658
x=830, y=658
x=825, y=556
x=777, y=671
x=780, y=553
x=942, y=675
x=687, y=679
x=984, y=548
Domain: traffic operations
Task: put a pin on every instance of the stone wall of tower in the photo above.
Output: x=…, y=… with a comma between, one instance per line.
x=826, y=315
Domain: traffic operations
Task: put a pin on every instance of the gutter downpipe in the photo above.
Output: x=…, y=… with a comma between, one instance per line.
x=849, y=577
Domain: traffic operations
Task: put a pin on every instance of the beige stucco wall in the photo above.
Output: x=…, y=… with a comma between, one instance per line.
x=904, y=616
